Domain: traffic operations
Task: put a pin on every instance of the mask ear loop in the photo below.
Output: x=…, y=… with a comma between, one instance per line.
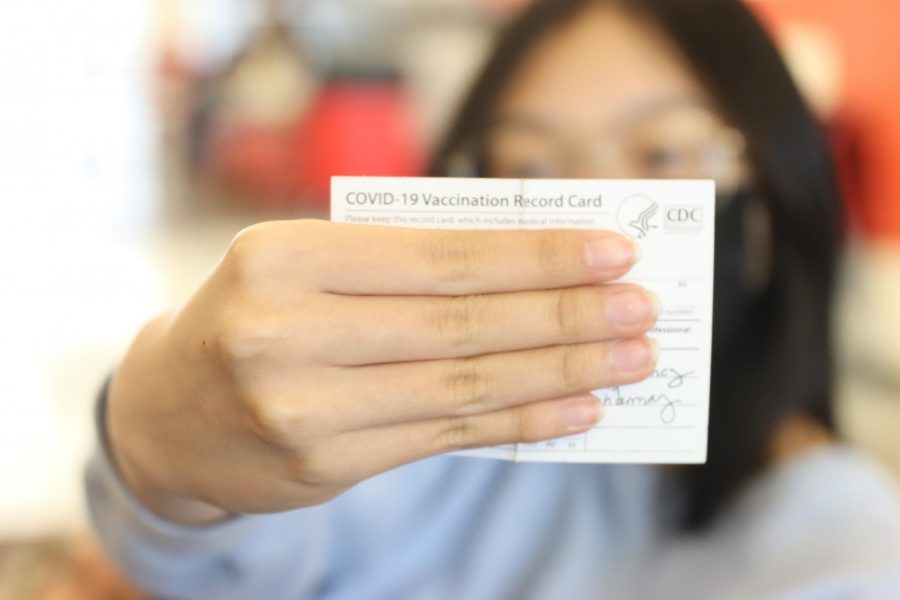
x=759, y=249
x=758, y=233
x=756, y=216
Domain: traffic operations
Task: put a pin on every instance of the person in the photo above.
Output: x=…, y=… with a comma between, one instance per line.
x=286, y=433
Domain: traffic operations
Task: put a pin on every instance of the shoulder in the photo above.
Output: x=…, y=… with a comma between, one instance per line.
x=822, y=520
x=835, y=494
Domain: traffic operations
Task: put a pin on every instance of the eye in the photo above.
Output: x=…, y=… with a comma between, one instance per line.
x=663, y=159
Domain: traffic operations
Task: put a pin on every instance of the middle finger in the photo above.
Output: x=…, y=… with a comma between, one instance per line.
x=411, y=328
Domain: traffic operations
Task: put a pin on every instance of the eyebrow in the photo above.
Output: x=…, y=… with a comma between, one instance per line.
x=662, y=105
x=636, y=113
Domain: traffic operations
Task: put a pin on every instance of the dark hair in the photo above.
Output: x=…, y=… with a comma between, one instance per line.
x=777, y=360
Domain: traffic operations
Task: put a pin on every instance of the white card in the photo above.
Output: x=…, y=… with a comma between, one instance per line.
x=660, y=420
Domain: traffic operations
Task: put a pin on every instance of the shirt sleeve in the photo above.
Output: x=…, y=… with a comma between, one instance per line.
x=248, y=556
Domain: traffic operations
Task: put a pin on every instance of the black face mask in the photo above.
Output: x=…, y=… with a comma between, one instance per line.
x=734, y=298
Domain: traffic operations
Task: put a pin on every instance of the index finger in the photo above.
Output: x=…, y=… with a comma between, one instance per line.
x=374, y=259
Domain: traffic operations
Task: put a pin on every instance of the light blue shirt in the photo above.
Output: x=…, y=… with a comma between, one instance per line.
x=823, y=525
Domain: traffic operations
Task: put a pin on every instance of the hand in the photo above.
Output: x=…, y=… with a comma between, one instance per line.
x=318, y=354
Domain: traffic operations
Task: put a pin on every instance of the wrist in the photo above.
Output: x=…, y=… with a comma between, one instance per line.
x=137, y=383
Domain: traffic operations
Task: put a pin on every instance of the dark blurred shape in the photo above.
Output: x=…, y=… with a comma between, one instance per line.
x=293, y=108
x=244, y=131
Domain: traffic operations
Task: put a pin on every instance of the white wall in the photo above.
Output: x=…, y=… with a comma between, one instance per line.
x=76, y=193
x=84, y=257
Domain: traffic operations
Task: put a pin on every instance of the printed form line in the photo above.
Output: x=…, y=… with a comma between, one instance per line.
x=478, y=212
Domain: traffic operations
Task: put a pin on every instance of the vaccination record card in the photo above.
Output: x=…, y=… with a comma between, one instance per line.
x=662, y=419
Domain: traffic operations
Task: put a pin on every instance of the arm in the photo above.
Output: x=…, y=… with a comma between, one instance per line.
x=317, y=355
x=218, y=560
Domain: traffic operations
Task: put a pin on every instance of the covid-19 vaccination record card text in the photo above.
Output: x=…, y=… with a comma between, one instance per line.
x=662, y=419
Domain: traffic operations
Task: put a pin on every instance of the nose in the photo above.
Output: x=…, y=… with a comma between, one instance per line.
x=602, y=162
x=596, y=169
x=593, y=172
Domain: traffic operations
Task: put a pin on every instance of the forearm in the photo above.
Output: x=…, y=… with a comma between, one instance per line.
x=174, y=560
x=144, y=470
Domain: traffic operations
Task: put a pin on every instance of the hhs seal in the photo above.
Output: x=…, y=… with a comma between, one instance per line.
x=638, y=216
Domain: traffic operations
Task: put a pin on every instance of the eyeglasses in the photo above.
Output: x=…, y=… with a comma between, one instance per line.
x=681, y=140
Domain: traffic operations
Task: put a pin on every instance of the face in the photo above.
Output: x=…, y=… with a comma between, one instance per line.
x=607, y=96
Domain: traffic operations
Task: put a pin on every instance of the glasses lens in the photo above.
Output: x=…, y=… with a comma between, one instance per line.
x=686, y=143
x=681, y=142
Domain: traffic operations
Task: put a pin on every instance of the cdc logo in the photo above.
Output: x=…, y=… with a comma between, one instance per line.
x=684, y=218
x=638, y=216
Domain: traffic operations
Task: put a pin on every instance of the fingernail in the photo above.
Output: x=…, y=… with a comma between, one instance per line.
x=638, y=251
x=631, y=307
x=581, y=413
x=633, y=355
x=611, y=252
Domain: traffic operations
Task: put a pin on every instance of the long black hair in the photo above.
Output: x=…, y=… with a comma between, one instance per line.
x=776, y=358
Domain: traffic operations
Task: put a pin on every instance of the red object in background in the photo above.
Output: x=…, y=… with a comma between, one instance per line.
x=259, y=161
x=352, y=127
x=867, y=122
x=356, y=127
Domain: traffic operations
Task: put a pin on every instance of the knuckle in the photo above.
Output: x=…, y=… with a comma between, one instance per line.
x=553, y=252
x=238, y=271
x=467, y=386
x=311, y=468
x=305, y=239
x=267, y=418
x=574, y=368
x=458, y=433
x=459, y=320
x=241, y=340
x=523, y=426
x=229, y=340
x=286, y=423
x=258, y=249
x=533, y=428
x=452, y=257
x=570, y=312
x=244, y=247
x=246, y=237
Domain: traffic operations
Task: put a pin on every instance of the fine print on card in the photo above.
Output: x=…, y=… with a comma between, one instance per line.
x=660, y=420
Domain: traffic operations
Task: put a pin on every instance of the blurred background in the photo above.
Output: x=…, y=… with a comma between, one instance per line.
x=136, y=138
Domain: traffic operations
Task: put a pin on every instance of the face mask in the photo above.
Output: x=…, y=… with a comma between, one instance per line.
x=734, y=296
